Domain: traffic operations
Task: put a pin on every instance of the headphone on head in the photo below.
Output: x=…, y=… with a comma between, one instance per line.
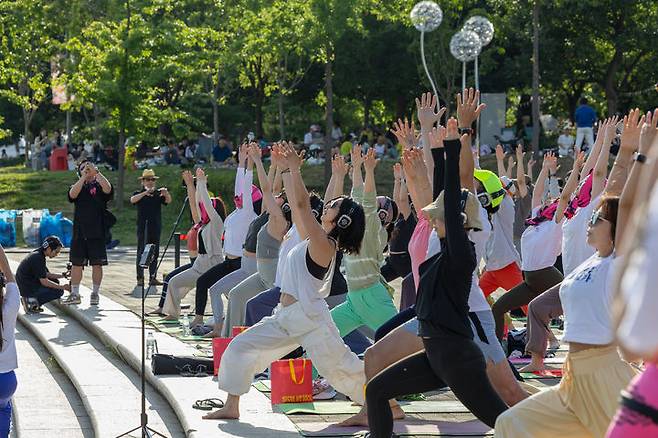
x=344, y=221
x=383, y=211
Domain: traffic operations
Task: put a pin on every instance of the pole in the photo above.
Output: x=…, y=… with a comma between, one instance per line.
x=477, y=88
x=176, y=250
x=535, y=78
x=422, y=56
x=463, y=75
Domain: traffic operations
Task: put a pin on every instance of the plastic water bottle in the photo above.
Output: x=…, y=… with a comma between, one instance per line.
x=151, y=346
x=185, y=322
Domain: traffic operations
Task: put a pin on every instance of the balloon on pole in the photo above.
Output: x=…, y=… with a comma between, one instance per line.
x=426, y=16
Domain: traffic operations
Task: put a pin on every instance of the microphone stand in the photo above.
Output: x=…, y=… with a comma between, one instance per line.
x=147, y=257
x=173, y=231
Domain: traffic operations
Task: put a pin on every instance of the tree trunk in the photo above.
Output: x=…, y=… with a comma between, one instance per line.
x=215, y=109
x=97, y=126
x=329, y=89
x=282, y=117
x=260, y=98
x=610, y=86
x=535, y=78
x=26, y=135
x=367, y=104
x=121, y=177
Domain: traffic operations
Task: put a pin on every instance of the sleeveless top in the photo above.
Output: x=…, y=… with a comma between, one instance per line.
x=297, y=281
x=267, y=247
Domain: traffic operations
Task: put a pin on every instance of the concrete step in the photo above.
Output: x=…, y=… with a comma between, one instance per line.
x=119, y=328
x=109, y=388
x=46, y=402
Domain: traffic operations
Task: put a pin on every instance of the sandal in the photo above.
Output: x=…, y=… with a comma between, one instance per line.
x=208, y=404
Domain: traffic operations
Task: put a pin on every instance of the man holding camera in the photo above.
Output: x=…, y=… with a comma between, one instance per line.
x=149, y=201
x=37, y=285
x=91, y=222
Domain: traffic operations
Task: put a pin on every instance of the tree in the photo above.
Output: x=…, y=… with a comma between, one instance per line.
x=26, y=48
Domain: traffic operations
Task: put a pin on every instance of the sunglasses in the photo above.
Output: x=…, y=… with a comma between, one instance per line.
x=149, y=179
x=596, y=217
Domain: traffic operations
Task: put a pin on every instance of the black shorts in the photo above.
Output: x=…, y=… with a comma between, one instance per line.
x=88, y=252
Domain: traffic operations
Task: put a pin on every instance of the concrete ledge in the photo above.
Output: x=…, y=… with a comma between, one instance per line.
x=119, y=328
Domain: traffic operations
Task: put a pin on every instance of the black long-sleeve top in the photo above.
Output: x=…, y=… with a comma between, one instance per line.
x=445, y=278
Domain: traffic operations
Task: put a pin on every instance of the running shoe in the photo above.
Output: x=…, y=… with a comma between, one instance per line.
x=72, y=300
x=322, y=390
x=94, y=300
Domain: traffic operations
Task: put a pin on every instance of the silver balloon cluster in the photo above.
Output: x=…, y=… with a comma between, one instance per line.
x=465, y=45
x=482, y=27
x=426, y=16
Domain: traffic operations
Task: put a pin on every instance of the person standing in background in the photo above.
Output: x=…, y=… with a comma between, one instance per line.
x=585, y=116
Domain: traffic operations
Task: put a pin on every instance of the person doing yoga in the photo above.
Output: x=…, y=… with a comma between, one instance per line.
x=451, y=356
x=302, y=317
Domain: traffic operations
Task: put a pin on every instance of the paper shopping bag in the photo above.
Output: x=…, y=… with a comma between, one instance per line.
x=219, y=346
x=292, y=381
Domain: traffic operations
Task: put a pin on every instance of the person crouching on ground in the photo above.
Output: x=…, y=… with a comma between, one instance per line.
x=149, y=201
x=39, y=286
x=302, y=316
x=90, y=195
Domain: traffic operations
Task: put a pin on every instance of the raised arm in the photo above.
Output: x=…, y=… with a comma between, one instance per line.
x=600, y=173
x=191, y=196
x=520, y=172
x=204, y=197
x=436, y=138
x=630, y=141
x=593, y=156
x=248, y=181
x=510, y=166
x=336, y=186
x=540, y=186
x=369, y=163
x=405, y=132
x=269, y=203
x=569, y=187
x=468, y=110
x=357, y=176
x=417, y=180
x=428, y=116
x=239, y=174
x=400, y=194
x=640, y=180
x=500, y=160
x=321, y=248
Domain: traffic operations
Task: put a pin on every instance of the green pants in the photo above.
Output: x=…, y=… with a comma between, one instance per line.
x=371, y=306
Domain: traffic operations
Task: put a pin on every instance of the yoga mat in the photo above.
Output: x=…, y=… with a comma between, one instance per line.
x=161, y=321
x=345, y=407
x=546, y=374
x=170, y=330
x=526, y=360
x=194, y=338
x=262, y=385
x=434, y=428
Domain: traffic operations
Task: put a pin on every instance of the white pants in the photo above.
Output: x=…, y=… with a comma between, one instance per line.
x=584, y=134
x=275, y=336
x=228, y=282
x=182, y=283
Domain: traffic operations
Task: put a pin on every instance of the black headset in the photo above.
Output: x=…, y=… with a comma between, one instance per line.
x=383, y=211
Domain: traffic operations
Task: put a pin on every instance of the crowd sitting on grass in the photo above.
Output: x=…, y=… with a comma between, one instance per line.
x=457, y=235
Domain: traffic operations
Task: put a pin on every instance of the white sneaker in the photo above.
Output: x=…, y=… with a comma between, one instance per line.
x=322, y=390
x=72, y=300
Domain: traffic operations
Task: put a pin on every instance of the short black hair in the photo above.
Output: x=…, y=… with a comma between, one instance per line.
x=317, y=205
x=349, y=239
x=583, y=101
x=51, y=242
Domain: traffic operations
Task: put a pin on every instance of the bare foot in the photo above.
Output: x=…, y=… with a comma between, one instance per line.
x=198, y=320
x=398, y=413
x=170, y=318
x=212, y=334
x=156, y=312
x=360, y=419
x=532, y=367
x=225, y=413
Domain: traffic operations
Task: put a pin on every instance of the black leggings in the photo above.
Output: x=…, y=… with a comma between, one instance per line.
x=210, y=277
x=534, y=284
x=401, y=318
x=456, y=360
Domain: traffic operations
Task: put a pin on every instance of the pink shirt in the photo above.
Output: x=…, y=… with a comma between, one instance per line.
x=418, y=246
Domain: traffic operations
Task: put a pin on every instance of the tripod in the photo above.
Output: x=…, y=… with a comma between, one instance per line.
x=147, y=432
x=173, y=231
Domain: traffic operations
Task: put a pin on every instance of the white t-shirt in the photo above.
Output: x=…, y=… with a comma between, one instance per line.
x=236, y=224
x=10, y=306
x=500, y=250
x=290, y=240
x=575, y=248
x=540, y=245
x=586, y=295
x=476, y=300
x=637, y=328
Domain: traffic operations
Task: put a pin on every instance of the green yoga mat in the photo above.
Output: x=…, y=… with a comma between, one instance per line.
x=346, y=407
x=170, y=330
x=262, y=386
x=194, y=338
x=161, y=321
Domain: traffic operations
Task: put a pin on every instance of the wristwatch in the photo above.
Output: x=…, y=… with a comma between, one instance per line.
x=640, y=158
x=463, y=131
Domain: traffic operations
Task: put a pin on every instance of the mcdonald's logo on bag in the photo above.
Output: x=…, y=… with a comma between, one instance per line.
x=292, y=381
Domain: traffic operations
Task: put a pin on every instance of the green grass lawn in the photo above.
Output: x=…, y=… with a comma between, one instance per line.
x=21, y=188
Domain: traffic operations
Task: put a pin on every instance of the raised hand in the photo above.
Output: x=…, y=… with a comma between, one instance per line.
x=356, y=156
x=339, y=167
x=648, y=131
x=519, y=153
x=397, y=171
x=405, y=132
x=510, y=163
x=579, y=162
x=187, y=177
x=427, y=113
x=550, y=161
x=370, y=161
x=201, y=175
x=451, y=129
x=292, y=158
x=242, y=153
x=500, y=153
x=630, y=137
x=468, y=107
x=413, y=164
x=254, y=151
x=436, y=136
